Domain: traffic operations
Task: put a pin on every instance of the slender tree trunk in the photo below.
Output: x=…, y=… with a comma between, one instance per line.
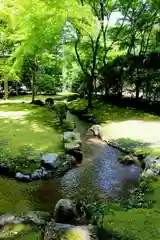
x=5, y=88
x=90, y=90
x=33, y=86
x=137, y=90
x=17, y=88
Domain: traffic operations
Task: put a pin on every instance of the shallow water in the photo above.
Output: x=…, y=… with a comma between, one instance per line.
x=100, y=173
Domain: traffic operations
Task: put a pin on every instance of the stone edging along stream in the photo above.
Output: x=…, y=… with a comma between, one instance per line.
x=52, y=165
x=149, y=163
x=55, y=165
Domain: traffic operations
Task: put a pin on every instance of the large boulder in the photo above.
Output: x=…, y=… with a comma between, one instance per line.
x=51, y=161
x=96, y=129
x=69, y=211
x=61, y=231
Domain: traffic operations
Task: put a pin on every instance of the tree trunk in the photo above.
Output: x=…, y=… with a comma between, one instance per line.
x=17, y=88
x=90, y=90
x=106, y=91
x=137, y=91
x=6, y=89
x=33, y=86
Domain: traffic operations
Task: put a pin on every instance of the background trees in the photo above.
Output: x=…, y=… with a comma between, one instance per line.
x=52, y=46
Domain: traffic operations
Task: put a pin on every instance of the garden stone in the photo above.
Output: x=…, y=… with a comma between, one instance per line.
x=71, y=146
x=61, y=231
x=150, y=172
x=22, y=177
x=152, y=161
x=68, y=159
x=77, y=154
x=49, y=101
x=68, y=211
x=9, y=219
x=39, y=103
x=4, y=169
x=69, y=136
x=51, y=161
x=128, y=160
x=45, y=175
x=96, y=129
x=36, y=175
x=38, y=218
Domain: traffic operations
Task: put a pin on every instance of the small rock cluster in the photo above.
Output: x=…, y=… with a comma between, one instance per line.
x=52, y=165
x=73, y=145
x=69, y=221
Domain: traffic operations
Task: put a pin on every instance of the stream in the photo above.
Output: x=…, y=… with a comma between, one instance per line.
x=99, y=174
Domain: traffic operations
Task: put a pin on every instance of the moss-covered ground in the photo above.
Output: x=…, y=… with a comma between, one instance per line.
x=138, y=131
x=132, y=129
x=27, y=130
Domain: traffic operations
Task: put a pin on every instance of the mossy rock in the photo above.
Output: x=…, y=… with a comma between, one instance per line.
x=128, y=160
x=68, y=126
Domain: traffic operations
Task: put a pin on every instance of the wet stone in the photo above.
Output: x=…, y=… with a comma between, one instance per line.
x=22, y=177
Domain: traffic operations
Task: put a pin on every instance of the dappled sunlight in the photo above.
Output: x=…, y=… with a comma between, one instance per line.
x=26, y=126
x=134, y=129
x=13, y=115
x=37, y=127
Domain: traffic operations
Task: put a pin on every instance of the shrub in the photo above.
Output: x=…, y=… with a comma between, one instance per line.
x=61, y=110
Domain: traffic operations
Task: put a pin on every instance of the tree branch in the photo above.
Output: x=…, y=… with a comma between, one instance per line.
x=78, y=56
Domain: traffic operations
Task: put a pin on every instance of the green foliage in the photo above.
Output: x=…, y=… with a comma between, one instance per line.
x=68, y=126
x=61, y=111
x=141, y=196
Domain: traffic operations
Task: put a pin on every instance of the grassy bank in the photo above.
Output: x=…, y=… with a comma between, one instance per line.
x=137, y=223
x=27, y=130
x=137, y=131
x=28, y=98
x=132, y=129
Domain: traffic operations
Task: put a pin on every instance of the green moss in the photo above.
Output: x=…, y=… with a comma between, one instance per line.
x=132, y=129
x=15, y=197
x=26, y=130
x=128, y=159
x=30, y=236
x=19, y=232
x=24, y=236
x=139, y=224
